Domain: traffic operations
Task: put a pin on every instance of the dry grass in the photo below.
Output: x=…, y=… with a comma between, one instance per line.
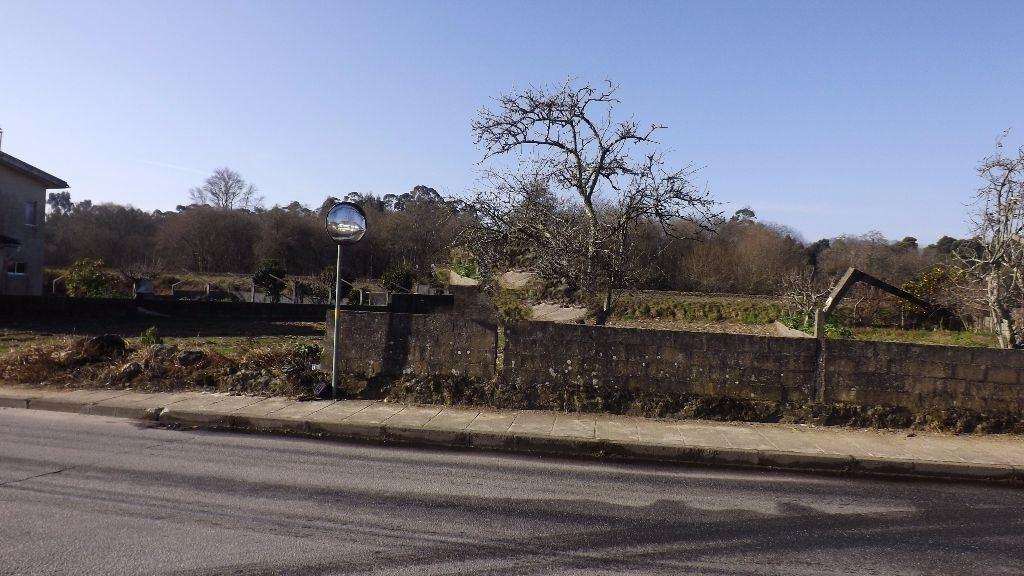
x=939, y=337
x=688, y=326
x=276, y=363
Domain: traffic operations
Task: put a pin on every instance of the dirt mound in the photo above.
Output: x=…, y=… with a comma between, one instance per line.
x=110, y=361
x=103, y=347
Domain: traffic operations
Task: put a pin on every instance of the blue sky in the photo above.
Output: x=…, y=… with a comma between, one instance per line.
x=830, y=117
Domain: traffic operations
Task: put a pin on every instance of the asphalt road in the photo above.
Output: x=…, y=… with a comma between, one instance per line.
x=91, y=495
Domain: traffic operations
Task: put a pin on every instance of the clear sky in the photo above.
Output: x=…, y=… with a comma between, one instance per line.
x=830, y=117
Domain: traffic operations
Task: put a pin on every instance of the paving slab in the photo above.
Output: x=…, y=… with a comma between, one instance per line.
x=200, y=411
x=137, y=405
x=574, y=425
x=945, y=449
x=745, y=437
x=302, y=410
x=431, y=425
x=168, y=398
x=264, y=415
x=533, y=422
x=376, y=413
x=196, y=400
x=71, y=401
x=229, y=404
x=495, y=422
x=338, y=411
x=452, y=419
x=413, y=417
x=619, y=428
x=1011, y=448
x=789, y=439
x=665, y=434
x=264, y=407
x=332, y=420
x=849, y=443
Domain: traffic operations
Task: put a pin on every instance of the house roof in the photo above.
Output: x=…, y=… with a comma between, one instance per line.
x=49, y=180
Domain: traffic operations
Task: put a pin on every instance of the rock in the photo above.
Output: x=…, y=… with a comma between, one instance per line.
x=129, y=371
x=191, y=358
x=102, y=347
x=162, y=350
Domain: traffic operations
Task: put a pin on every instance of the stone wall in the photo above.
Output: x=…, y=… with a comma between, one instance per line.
x=545, y=355
x=714, y=364
x=923, y=377
x=918, y=377
x=461, y=340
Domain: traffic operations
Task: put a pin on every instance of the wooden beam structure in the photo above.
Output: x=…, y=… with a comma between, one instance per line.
x=853, y=276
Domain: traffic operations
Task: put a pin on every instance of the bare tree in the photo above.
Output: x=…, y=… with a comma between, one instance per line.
x=801, y=296
x=519, y=222
x=145, y=268
x=998, y=267
x=606, y=168
x=226, y=189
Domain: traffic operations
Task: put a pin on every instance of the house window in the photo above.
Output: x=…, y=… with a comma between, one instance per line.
x=16, y=268
x=30, y=213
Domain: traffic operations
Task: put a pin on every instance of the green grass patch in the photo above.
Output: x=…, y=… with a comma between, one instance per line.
x=939, y=337
x=742, y=311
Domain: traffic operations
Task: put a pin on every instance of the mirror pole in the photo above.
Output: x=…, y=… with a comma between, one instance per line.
x=337, y=302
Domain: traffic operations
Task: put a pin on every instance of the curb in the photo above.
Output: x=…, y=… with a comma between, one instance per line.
x=561, y=446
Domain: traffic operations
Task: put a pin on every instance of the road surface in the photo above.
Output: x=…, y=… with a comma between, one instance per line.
x=91, y=495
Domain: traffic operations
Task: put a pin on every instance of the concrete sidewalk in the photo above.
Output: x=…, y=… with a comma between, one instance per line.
x=994, y=458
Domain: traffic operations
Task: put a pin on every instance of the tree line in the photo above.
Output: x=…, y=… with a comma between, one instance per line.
x=410, y=232
x=415, y=233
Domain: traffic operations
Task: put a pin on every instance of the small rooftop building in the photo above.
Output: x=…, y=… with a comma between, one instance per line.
x=22, y=204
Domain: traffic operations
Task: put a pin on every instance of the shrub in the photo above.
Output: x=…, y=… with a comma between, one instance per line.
x=88, y=279
x=398, y=274
x=510, y=306
x=150, y=336
x=464, y=264
x=308, y=351
x=267, y=279
x=838, y=326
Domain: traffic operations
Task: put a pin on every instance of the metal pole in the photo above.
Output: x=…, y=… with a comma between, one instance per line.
x=337, y=301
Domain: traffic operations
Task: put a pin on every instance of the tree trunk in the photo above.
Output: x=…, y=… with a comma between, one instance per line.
x=588, y=207
x=1002, y=318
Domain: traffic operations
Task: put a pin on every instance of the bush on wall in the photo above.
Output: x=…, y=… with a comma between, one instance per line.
x=87, y=278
